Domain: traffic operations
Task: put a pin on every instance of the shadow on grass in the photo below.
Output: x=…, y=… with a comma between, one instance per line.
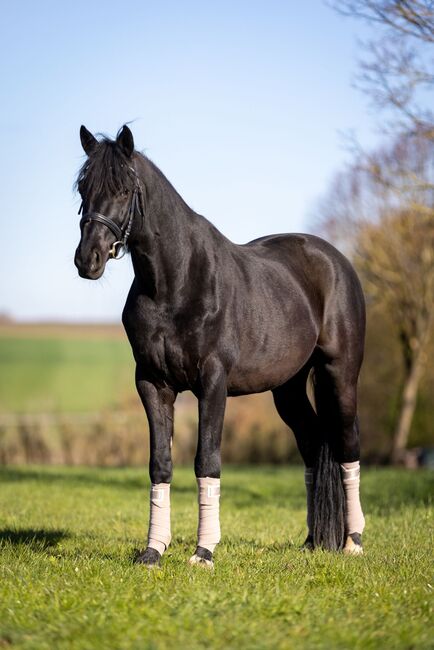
x=32, y=537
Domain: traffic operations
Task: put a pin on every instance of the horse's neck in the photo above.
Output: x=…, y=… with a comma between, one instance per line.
x=171, y=235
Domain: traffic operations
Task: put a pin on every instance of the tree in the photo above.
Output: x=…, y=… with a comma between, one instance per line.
x=395, y=258
x=396, y=71
x=383, y=209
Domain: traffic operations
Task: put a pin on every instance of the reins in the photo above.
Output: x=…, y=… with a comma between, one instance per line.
x=119, y=247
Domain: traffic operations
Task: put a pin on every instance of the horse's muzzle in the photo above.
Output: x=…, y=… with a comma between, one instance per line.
x=93, y=267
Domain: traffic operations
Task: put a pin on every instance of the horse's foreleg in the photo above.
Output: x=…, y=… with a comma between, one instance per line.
x=207, y=464
x=158, y=404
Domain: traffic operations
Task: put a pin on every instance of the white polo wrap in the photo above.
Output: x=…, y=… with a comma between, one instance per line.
x=208, y=532
x=159, y=517
x=354, y=519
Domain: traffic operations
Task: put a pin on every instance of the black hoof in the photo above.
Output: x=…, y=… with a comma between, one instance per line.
x=353, y=544
x=308, y=544
x=149, y=557
x=202, y=557
x=357, y=538
x=203, y=553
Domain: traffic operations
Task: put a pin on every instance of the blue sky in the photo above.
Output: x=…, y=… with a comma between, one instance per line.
x=241, y=105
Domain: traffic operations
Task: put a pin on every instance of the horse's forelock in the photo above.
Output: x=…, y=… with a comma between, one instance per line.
x=106, y=172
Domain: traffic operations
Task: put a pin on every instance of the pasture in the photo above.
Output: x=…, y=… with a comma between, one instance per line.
x=55, y=368
x=67, y=579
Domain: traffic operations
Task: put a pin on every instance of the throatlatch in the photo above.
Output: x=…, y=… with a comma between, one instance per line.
x=159, y=535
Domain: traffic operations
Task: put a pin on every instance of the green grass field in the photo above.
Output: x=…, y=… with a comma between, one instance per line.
x=67, y=578
x=64, y=374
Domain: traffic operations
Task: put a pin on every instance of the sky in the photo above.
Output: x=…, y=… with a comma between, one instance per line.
x=242, y=105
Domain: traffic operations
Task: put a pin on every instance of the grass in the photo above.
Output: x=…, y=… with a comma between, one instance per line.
x=64, y=374
x=67, y=578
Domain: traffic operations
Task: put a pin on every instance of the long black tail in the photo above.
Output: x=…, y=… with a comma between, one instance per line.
x=329, y=500
x=329, y=496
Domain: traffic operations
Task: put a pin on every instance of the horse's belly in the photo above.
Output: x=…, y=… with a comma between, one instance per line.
x=264, y=369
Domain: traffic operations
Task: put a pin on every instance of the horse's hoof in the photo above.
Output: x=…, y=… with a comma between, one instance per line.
x=202, y=557
x=150, y=557
x=308, y=544
x=196, y=560
x=353, y=545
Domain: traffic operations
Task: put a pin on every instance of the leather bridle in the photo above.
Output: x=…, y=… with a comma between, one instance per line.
x=119, y=247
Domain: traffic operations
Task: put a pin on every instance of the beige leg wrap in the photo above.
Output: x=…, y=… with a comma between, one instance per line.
x=208, y=532
x=355, y=521
x=159, y=517
x=308, y=479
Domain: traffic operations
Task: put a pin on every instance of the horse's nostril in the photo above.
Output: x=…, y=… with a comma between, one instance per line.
x=96, y=260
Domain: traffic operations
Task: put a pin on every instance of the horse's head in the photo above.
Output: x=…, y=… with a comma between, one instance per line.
x=109, y=189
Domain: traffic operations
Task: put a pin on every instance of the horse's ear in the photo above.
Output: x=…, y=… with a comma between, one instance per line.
x=126, y=141
x=88, y=141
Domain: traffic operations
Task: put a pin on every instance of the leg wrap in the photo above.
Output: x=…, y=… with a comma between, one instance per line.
x=308, y=479
x=355, y=521
x=208, y=531
x=159, y=517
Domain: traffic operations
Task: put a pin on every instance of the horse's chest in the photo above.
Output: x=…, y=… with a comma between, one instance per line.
x=158, y=345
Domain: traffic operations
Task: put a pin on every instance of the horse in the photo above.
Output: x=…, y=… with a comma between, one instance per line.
x=222, y=319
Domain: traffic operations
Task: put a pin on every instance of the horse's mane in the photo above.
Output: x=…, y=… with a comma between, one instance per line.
x=106, y=172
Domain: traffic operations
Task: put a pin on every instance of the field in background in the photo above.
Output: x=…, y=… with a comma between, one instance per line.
x=67, y=396
x=67, y=580
x=52, y=367
x=40, y=375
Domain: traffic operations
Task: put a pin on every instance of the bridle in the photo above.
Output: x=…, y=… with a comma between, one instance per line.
x=119, y=247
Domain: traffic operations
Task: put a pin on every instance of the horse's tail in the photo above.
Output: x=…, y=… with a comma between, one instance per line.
x=329, y=496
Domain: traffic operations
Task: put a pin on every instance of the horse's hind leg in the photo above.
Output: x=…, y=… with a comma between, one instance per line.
x=296, y=411
x=336, y=405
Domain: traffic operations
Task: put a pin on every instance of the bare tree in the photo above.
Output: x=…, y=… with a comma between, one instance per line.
x=381, y=208
x=383, y=205
x=396, y=69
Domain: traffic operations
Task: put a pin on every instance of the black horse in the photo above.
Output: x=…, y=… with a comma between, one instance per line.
x=221, y=319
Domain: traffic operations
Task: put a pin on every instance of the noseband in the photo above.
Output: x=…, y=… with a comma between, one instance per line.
x=119, y=248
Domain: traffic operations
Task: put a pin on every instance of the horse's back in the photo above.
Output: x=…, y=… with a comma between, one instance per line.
x=300, y=246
